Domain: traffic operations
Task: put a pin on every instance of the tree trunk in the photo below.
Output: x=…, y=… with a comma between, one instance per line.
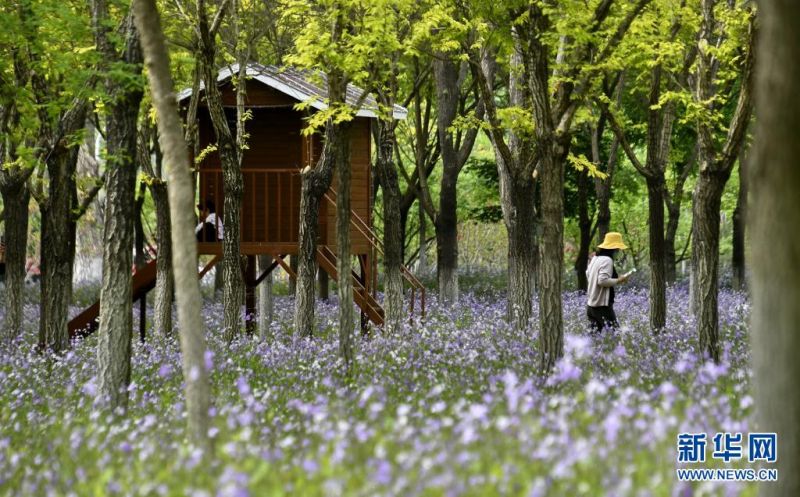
x=517, y=198
x=773, y=217
x=392, y=228
x=314, y=185
x=447, y=240
x=716, y=164
x=181, y=203
x=422, y=258
x=551, y=259
x=265, y=303
x=521, y=255
x=165, y=285
x=602, y=191
x=232, y=278
x=670, y=257
x=449, y=78
x=58, y=250
x=585, y=226
x=306, y=256
x=658, y=281
x=16, y=199
x=116, y=319
x=233, y=184
x=705, y=257
x=739, y=214
x=139, y=257
x=341, y=151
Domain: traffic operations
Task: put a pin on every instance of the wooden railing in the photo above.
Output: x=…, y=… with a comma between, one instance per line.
x=270, y=202
x=375, y=242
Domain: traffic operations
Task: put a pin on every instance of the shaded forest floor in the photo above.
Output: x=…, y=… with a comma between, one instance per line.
x=451, y=407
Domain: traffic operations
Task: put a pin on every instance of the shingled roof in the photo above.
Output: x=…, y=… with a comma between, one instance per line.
x=302, y=86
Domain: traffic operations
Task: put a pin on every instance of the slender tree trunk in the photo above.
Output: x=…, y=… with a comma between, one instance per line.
x=306, y=256
x=658, y=281
x=522, y=251
x=233, y=183
x=265, y=303
x=139, y=258
x=673, y=204
x=16, y=199
x=116, y=318
x=705, y=257
x=181, y=203
x=344, y=259
x=392, y=227
x=165, y=285
x=315, y=183
x=449, y=78
x=670, y=257
x=739, y=214
x=58, y=250
x=773, y=217
x=447, y=240
x=422, y=258
x=585, y=226
x=602, y=191
x=232, y=278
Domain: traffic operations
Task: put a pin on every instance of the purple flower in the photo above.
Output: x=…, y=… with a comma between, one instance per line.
x=242, y=386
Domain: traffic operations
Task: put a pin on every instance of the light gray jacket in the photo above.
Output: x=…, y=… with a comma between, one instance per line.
x=598, y=274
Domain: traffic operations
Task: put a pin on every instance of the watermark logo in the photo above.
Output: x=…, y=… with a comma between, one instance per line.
x=763, y=447
x=727, y=447
x=692, y=447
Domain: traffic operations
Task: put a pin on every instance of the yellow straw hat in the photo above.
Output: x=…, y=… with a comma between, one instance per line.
x=613, y=240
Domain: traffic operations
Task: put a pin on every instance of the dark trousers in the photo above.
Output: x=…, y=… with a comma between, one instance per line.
x=602, y=316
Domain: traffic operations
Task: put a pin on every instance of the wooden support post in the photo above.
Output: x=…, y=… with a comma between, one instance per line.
x=264, y=284
x=324, y=284
x=142, y=316
x=250, y=295
x=364, y=277
x=293, y=260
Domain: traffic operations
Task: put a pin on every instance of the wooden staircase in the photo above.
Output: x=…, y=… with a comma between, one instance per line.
x=144, y=280
x=362, y=297
x=366, y=289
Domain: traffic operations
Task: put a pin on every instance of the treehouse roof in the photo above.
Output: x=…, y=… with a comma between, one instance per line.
x=302, y=86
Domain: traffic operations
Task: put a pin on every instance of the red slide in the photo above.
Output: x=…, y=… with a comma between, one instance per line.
x=85, y=323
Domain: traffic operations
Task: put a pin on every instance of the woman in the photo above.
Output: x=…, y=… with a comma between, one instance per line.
x=209, y=229
x=602, y=278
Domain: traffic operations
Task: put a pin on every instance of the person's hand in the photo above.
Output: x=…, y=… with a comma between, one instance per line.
x=622, y=279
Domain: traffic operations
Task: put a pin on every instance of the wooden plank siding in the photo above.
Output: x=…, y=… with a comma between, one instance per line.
x=271, y=167
x=360, y=183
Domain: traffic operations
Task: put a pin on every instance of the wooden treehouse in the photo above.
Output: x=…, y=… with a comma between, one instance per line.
x=270, y=210
x=277, y=151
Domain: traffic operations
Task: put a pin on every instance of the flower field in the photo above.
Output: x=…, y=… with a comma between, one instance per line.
x=452, y=407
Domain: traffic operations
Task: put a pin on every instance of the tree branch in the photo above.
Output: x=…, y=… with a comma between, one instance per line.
x=623, y=141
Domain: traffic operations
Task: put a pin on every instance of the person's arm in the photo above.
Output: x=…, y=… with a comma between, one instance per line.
x=606, y=269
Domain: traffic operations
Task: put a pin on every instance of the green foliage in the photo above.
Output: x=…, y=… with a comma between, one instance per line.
x=584, y=165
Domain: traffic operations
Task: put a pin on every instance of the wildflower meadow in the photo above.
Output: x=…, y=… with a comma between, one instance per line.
x=452, y=406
